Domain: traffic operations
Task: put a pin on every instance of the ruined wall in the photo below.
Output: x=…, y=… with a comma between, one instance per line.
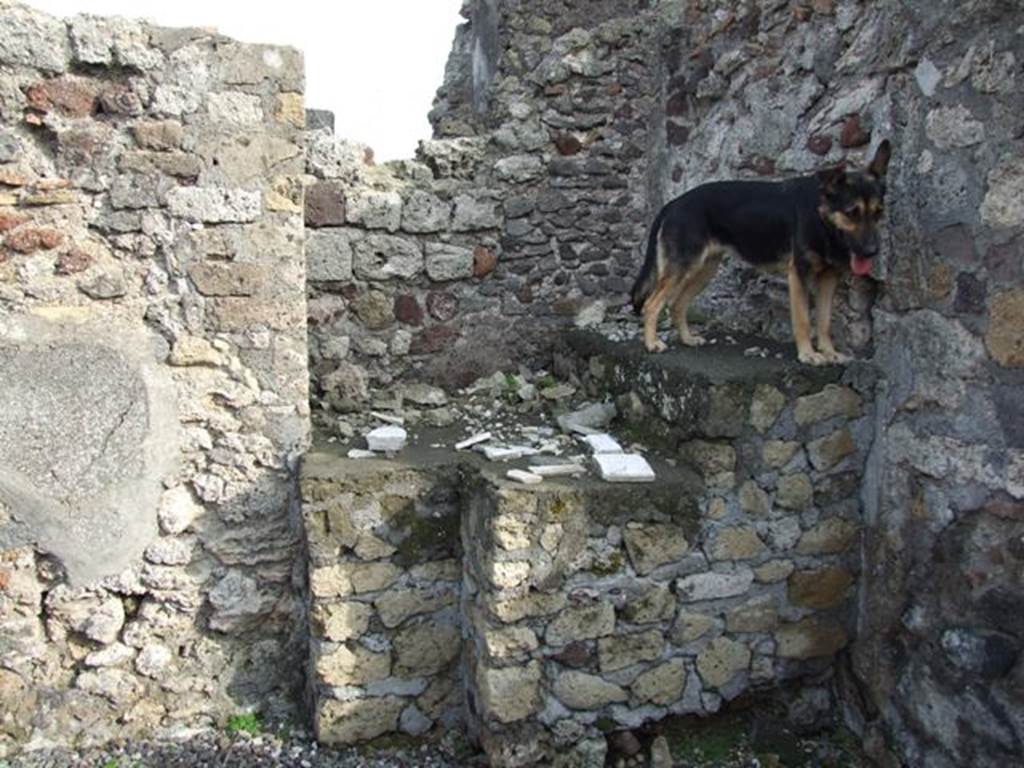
x=524, y=210
x=385, y=578
x=770, y=88
x=153, y=378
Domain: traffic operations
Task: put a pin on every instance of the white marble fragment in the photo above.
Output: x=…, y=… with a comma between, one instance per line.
x=389, y=438
x=624, y=467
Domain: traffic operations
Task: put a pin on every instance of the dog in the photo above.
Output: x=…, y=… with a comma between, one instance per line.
x=809, y=226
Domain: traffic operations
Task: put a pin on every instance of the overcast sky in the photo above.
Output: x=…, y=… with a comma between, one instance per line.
x=375, y=63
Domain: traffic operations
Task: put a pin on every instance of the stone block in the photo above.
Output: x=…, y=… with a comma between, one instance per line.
x=651, y=545
x=329, y=256
x=399, y=603
x=714, y=585
x=691, y=626
x=424, y=212
x=760, y=615
x=510, y=694
x=530, y=605
x=578, y=690
x=325, y=205
x=737, y=543
x=509, y=642
x=776, y=454
x=232, y=279
x=374, y=209
x=753, y=500
x=832, y=401
x=660, y=685
x=473, y=213
x=765, y=407
x=214, y=205
x=653, y=605
x=721, y=661
x=773, y=571
x=343, y=621
x=384, y=257
x=345, y=665
x=711, y=459
x=1005, y=335
x=581, y=623
x=448, y=262
x=350, y=722
x=621, y=651
x=425, y=649
x=794, y=491
x=827, y=451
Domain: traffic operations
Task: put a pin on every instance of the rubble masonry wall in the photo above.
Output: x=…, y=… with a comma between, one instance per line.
x=154, y=391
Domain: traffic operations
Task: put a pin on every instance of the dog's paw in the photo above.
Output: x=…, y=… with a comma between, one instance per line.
x=812, y=358
x=692, y=340
x=657, y=346
x=836, y=358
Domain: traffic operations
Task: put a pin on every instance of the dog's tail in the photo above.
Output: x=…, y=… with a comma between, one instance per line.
x=648, y=276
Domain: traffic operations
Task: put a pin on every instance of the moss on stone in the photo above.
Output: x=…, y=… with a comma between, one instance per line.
x=610, y=566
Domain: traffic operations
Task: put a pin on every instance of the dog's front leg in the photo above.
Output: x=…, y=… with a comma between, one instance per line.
x=828, y=281
x=799, y=309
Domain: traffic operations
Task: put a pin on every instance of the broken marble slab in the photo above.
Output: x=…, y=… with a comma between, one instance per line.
x=469, y=442
x=602, y=443
x=558, y=470
x=624, y=468
x=386, y=439
x=522, y=476
x=505, y=452
x=360, y=453
x=589, y=419
x=388, y=418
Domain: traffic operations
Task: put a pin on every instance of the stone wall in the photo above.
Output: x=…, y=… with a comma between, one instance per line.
x=384, y=584
x=521, y=213
x=153, y=378
x=587, y=607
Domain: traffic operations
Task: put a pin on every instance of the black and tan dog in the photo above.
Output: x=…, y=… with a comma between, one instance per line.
x=809, y=226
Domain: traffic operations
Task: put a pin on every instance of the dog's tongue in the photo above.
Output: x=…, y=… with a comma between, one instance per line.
x=860, y=266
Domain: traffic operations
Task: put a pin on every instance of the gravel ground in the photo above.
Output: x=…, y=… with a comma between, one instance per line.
x=218, y=750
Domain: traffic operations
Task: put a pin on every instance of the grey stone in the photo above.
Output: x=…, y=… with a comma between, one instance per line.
x=374, y=209
x=954, y=127
x=425, y=212
x=384, y=257
x=87, y=434
x=414, y=722
x=448, y=262
x=1001, y=206
x=714, y=585
x=329, y=255
x=237, y=603
x=214, y=204
x=473, y=213
x=29, y=38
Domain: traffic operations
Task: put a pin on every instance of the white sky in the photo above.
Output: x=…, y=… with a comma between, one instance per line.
x=375, y=63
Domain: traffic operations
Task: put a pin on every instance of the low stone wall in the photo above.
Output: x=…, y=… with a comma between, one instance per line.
x=384, y=585
x=153, y=378
x=589, y=607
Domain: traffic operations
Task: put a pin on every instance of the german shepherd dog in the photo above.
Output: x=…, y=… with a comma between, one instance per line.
x=809, y=226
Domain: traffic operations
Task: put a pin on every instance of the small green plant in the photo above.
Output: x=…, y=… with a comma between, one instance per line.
x=247, y=722
x=547, y=381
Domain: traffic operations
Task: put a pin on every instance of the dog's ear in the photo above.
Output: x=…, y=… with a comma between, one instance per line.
x=830, y=179
x=880, y=164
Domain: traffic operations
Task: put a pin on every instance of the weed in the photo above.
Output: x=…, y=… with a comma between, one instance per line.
x=247, y=722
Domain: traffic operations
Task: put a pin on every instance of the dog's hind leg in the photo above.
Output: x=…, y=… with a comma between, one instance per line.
x=696, y=280
x=666, y=286
x=799, y=308
x=828, y=281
